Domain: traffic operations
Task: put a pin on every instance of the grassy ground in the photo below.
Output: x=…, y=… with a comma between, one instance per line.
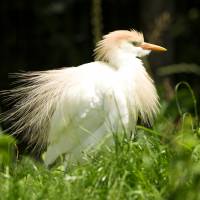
x=159, y=163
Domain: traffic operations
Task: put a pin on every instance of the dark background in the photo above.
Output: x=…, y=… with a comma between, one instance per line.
x=47, y=34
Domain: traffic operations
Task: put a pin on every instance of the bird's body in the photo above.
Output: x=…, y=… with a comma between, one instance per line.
x=72, y=109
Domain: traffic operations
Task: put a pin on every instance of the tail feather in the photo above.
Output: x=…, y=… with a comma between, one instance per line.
x=35, y=100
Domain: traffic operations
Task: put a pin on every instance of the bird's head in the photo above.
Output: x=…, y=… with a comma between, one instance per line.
x=131, y=42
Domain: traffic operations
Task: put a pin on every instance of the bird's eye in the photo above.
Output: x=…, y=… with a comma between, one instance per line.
x=135, y=43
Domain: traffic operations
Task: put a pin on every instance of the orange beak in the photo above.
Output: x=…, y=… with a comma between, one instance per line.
x=152, y=47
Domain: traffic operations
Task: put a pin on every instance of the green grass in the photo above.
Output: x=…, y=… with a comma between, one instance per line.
x=159, y=163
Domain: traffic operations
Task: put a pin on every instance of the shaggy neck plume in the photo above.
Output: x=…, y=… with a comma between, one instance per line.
x=120, y=55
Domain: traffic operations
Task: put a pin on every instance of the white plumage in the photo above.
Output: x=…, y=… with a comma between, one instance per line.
x=70, y=110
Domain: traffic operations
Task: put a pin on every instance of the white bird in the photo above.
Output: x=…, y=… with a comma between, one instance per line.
x=70, y=110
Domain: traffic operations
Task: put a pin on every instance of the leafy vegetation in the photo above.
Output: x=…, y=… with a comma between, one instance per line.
x=159, y=163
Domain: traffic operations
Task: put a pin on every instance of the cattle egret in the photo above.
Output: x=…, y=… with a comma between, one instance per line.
x=72, y=109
